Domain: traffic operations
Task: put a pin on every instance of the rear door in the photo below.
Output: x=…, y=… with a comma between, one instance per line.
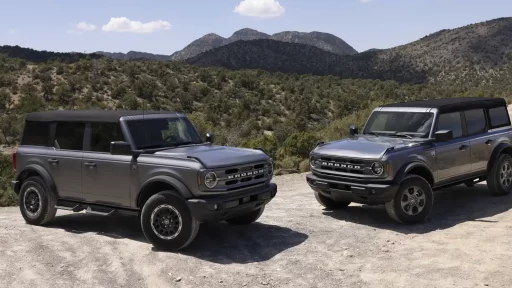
x=453, y=157
x=65, y=161
x=480, y=141
x=105, y=177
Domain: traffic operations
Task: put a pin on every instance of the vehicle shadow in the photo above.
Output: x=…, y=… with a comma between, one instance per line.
x=451, y=207
x=220, y=243
x=223, y=243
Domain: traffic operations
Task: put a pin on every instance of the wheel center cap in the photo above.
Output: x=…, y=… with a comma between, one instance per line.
x=413, y=200
x=166, y=221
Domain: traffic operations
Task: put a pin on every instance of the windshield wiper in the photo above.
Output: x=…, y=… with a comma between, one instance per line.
x=154, y=146
x=403, y=134
x=188, y=143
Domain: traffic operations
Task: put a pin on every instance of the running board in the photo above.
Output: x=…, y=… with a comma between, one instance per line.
x=90, y=211
x=93, y=209
x=76, y=208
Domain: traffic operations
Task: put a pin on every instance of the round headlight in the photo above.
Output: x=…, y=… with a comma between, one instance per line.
x=313, y=162
x=377, y=168
x=210, y=179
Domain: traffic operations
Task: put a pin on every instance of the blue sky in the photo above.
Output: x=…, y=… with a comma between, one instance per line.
x=168, y=25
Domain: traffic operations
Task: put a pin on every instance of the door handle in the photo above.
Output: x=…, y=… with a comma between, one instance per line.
x=90, y=164
x=489, y=141
x=463, y=147
x=53, y=161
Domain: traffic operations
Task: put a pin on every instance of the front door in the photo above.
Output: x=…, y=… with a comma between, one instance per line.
x=105, y=177
x=453, y=157
x=65, y=162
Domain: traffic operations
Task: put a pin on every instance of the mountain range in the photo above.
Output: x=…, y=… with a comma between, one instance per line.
x=324, y=41
x=473, y=53
x=461, y=54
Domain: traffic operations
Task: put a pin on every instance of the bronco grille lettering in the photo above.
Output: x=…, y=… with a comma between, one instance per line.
x=245, y=174
x=340, y=165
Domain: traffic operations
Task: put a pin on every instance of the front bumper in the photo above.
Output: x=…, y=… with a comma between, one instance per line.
x=225, y=207
x=15, y=186
x=346, y=190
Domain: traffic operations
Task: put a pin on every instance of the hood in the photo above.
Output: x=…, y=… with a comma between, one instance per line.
x=364, y=146
x=213, y=156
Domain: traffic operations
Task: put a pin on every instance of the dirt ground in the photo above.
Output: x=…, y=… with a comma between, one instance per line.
x=295, y=244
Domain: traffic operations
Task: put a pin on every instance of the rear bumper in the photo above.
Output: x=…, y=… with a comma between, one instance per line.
x=342, y=190
x=221, y=208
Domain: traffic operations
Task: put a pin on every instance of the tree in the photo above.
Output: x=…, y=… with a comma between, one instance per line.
x=266, y=142
x=299, y=144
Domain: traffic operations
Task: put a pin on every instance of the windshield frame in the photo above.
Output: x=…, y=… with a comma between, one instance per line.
x=432, y=111
x=127, y=131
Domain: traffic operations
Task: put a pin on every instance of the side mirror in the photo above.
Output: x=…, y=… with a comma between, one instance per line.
x=120, y=148
x=209, y=137
x=353, y=130
x=443, y=135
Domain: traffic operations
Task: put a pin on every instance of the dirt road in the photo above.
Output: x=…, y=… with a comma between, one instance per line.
x=295, y=244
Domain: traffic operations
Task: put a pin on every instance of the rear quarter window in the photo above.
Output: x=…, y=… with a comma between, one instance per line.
x=36, y=134
x=499, y=117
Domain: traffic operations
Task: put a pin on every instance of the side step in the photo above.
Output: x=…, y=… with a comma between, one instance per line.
x=93, y=209
x=76, y=208
x=90, y=211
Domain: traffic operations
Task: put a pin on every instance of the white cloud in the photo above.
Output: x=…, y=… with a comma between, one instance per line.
x=259, y=8
x=123, y=24
x=83, y=26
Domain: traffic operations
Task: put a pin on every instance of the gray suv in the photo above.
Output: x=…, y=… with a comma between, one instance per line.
x=408, y=150
x=150, y=164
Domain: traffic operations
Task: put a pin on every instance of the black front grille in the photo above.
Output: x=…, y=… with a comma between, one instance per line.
x=247, y=174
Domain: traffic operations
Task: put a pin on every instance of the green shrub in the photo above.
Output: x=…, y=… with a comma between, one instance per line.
x=7, y=196
x=304, y=165
x=289, y=162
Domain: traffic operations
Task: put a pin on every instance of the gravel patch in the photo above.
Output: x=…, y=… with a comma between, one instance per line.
x=294, y=244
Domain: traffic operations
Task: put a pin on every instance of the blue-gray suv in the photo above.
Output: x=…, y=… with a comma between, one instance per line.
x=150, y=164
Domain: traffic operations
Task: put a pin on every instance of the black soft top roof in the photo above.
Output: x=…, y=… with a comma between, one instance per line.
x=453, y=104
x=88, y=115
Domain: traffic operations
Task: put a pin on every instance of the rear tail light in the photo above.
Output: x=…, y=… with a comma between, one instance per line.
x=14, y=161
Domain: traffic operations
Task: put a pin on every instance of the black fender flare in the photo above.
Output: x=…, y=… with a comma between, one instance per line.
x=406, y=168
x=496, y=153
x=48, y=180
x=178, y=186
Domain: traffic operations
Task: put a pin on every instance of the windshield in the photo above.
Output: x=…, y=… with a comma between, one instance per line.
x=400, y=124
x=163, y=132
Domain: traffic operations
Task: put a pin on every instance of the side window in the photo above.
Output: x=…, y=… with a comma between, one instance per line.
x=69, y=135
x=499, y=117
x=450, y=121
x=475, y=121
x=104, y=133
x=36, y=134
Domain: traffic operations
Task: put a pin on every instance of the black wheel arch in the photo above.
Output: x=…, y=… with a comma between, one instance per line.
x=161, y=183
x=416, y=168
x=498, y=150
x=36, y=170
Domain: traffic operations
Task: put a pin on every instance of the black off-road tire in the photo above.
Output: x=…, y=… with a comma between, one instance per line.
x=42, y=209
x=494, y=179
x=329, y=203
x=168, y=206
x=248, y=218
x=409, y=185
